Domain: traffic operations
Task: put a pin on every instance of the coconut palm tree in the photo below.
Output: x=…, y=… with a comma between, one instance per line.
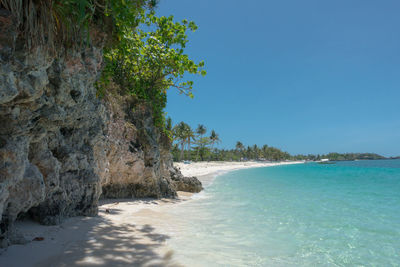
x=239, y=148
x=189, y=136
x=214, y=139
x=256, y=152
x=180, y=135
x=239, y=145
x=202, y=148
x=200, y=131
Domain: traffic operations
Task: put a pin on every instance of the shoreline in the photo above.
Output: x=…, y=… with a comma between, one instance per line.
x=206, y=172
x=125, y=232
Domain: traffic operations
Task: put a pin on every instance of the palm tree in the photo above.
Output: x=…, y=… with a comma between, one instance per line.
x=249, y=153
x=239, y=148
x=265, y=151
x=239, y=145
x=202, y=148
x=189, y=136
x=180, y=135
x=214, y=139
x=256, y=152
x=201, y=130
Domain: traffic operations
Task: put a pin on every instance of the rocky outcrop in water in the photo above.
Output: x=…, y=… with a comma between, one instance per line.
x=187, y=184
x=59, y=145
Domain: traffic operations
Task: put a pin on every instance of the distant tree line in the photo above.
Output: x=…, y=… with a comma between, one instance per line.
x=199, y=145
x=341, y=156
x=192, y=144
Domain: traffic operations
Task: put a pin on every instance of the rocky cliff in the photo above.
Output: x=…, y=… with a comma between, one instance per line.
x=138, y=158
x=60, y=146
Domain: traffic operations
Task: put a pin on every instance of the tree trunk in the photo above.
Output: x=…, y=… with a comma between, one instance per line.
x=198, y=150
x=197, y=154
x=211, y=151
x=182, y=148
x=189, y=148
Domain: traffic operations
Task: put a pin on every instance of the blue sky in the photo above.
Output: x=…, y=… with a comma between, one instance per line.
x=306, y=76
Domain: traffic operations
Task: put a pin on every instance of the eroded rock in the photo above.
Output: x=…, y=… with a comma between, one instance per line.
x=139, y=163
x=50, y=121
x=60, y=145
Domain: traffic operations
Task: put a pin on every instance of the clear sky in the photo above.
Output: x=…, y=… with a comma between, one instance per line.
x=307, y=76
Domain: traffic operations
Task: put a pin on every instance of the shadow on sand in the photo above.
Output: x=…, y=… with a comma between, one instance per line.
x=113, y=244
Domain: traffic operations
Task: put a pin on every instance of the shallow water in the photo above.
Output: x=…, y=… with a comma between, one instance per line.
x=345, y=214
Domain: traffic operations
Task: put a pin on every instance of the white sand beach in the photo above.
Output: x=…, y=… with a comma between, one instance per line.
x=207, y=171
x=125, y=233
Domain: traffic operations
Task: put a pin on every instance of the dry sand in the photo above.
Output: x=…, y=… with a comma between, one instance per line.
x=125, y=233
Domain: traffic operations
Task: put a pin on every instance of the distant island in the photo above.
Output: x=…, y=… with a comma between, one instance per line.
x=353, y=156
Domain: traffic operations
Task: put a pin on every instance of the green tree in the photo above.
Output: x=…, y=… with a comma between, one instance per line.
x=147, y=63
x=189, y=136
x=256, y=152
x=200, y=131
x=202, y=144
x=239, y=148
x=214, y=139
x=68, y=23
x=180, y=135
x=175, y=152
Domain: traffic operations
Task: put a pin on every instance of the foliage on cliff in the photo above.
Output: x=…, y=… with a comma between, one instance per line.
x=148, y=61
x=68, y=22
x=144, y=63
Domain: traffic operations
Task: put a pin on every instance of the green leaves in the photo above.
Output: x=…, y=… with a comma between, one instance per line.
x=148, y=61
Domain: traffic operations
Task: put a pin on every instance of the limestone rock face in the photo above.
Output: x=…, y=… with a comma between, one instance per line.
x=50, y=122
x=60, y=145
x=139, y=163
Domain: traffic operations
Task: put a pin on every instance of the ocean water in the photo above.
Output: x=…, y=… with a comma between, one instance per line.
x=345, y=214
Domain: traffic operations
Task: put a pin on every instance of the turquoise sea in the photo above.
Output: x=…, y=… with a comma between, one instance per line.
x=344, y=214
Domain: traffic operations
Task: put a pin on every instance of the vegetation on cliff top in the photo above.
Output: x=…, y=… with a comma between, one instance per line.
x=55, y=23
x=145, y=64
x=144, y=55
